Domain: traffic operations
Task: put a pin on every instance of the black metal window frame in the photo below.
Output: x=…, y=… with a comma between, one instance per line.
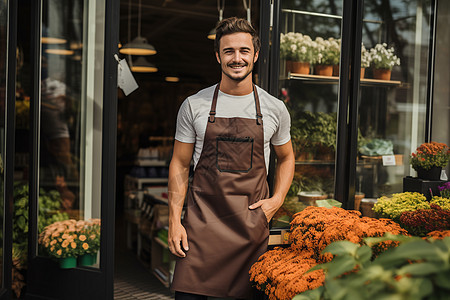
x=346, y=135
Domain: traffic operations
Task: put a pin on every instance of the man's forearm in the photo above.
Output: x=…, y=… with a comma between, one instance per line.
x=178, y=185
x=284, y=173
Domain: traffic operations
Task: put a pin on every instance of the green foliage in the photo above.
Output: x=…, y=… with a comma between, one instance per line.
x=49, y=205
x=416, y=269
x=393, y=207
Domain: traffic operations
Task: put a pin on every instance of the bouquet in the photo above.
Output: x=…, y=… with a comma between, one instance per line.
x=430, y=155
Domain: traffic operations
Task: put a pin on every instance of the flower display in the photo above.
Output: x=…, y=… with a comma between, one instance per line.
x=70, y=238
x=439, y=235
x=296, y=47
x=281, y=273
x=366, y=58
x=445, y=190
x=393, y=207
x=326, y=52
x=430, y=155
x=423, y=221
x=383, y=57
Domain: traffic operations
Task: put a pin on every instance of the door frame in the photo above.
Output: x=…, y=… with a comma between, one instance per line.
x=8, y=192
x=44, y=279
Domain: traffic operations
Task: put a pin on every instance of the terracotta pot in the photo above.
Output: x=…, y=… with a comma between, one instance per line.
x=382, y=74
x=363, y=71
x=335, y=70
x=289, y=66
x=323, y=70
x=300, y=67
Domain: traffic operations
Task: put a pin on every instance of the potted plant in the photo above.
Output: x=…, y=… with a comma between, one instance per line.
x=59, y=241
x=89, y=242
x=326, y=54
x=429, y=159
x=296, y=49
x=366, y=58
x=383, y=60
x=445, y=190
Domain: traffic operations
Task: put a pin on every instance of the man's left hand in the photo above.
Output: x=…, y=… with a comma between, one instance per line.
x=269, y=206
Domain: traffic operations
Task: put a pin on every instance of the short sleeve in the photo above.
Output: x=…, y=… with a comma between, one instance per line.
x=185, y=131
x=283, y=133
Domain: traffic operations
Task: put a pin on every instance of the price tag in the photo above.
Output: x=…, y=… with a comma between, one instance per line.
x=388, y=160
x=125, y=79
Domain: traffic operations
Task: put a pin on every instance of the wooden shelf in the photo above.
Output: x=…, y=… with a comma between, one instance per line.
x=335, y=80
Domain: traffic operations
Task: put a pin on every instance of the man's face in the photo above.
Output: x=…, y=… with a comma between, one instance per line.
x=237, y=55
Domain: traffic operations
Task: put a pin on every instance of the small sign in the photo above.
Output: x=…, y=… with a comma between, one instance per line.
x=125, y=79
x=389, y=160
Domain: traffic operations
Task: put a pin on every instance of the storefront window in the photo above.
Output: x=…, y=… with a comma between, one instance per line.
x=392, y=94
x=441, y=97
x=3, y=60
x=308, y=84
x=71, y=119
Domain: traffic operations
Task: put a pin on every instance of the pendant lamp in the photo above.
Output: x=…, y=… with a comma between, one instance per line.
x=139, y=45
x=220, y=8
x=141, y=65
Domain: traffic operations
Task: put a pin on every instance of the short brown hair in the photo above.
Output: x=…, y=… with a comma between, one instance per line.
x=236, y=25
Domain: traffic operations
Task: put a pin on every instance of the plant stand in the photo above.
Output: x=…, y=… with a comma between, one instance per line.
x=427, y=187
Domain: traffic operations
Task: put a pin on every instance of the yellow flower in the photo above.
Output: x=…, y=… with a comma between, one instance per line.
x=73, y=245
x=59, y=252
x=52, y=248
x=85, y=246
x=65, y=243
x=53, y=242
x=65, y=236
x=82, y=238
x=93, y=236
x=74, y=236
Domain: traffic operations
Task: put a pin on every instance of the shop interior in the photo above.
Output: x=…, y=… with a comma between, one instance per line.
x=183, y=64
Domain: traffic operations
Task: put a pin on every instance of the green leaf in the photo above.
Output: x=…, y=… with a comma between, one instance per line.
x=418, y=249
x=340, y=265
x=310, y=294
x=421, y=269
x=442, y=280
x=363, y=254
x=341, y=248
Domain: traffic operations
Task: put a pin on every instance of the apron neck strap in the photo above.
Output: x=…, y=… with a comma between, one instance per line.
x=212, y=112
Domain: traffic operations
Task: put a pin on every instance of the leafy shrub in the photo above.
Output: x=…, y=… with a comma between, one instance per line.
x=393, y=207
x=423, y=221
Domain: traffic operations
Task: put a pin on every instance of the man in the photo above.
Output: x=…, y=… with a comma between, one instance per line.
x=225, y=226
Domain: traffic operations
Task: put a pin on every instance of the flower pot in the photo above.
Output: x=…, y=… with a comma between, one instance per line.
x=363, y=71
x=432, y=174
x=382, y=74
x=87, y=259
x=67, y=262
x=289, y=66
x=300, y=67
x=309, y=198
x=323, y=70
x=358, y=198
x=335, y=70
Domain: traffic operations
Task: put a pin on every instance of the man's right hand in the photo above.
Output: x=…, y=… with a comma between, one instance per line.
x=178, y=239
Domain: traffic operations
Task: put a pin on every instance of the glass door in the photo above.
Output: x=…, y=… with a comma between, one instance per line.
x=308, y=82
x=392, y=99
x=72, y=166
x=8, y=254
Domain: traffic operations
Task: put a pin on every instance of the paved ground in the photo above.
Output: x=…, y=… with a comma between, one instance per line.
x=131, y=279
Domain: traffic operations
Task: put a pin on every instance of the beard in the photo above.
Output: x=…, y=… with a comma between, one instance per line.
x=237, y=77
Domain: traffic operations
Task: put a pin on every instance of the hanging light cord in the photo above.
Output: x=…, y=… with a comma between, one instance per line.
x=139, y=19
x=220, y=8
x=247, y=8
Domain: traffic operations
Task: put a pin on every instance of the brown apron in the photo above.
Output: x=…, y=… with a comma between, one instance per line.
x=225, y=237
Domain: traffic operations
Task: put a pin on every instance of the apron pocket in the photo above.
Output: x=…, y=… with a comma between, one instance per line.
x=234, y=154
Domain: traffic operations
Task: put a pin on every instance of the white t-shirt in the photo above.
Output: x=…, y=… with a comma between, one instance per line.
x=194, y=112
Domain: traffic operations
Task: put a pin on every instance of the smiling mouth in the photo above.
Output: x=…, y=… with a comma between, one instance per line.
x=237, y=66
